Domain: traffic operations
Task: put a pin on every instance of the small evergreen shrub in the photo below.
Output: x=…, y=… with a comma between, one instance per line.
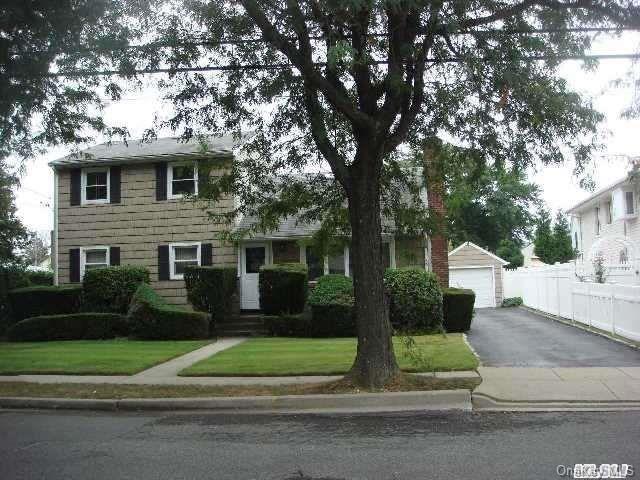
x=332, y=307
x=458, y=309
x=151, y=318
x=512, y=302
x=212, y=290
x=75, y=326
x=40, y=277
x=11, y=277
x=288, y=325
x=283, y=288
x=111, y=289
x=42, y=300
x=415, y=299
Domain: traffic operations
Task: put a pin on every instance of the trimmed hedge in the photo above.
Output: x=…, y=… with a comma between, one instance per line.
x=212, y=290
x=332, y=311
x=40, y=277
x=36, y=301
x=416, y=299
x=75, y=326
x=458, y=309
x=283, y=288
x=512, y=302
x=111, y=289
x=288, y=325
x=151, y=318
x=11, y=277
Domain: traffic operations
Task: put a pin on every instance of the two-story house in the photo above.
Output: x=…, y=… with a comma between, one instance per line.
x=124, y=204
x=606, y=225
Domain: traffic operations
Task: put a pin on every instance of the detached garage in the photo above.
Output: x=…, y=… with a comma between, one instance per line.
x=477, y=269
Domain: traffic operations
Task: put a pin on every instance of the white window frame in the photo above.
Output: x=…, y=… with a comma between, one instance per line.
x=347, y=253
x=83, y=185
x=83, y=257
x=172, y=258
x=625, y=214
x=170, y=194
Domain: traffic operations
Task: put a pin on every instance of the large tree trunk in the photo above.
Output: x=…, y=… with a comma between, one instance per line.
x=434, y=175
x=375, y=362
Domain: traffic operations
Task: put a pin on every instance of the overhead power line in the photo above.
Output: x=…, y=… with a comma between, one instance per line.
x=277, y=66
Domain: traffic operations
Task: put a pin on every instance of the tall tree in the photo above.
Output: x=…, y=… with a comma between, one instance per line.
x=510, y=251
x=562, y=247
x=13, y=234
x=346, y=83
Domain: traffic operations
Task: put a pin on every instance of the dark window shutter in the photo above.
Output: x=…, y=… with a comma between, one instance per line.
x=74, y=265
x=76, y=186
x=163, y=262
x=114, y=184
x=161, y=181
x=114, y=256
x=206, y=254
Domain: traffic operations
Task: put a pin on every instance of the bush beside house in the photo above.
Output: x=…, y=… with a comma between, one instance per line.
x=283, y=288
x=458, y=309
x=151, y=318
x=111, y=289
x=332, y=311
x=11, y=277
x=288, y=325
x=415, y=299
x=40, y=277
x=30, y=302
x=75, y=326
x=212, y=290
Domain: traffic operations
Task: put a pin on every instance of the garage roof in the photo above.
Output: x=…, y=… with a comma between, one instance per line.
x=486, y=252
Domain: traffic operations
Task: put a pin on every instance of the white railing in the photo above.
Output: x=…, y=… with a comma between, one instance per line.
x=555, y=289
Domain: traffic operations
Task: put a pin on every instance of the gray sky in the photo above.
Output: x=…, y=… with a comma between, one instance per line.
x=560, y=189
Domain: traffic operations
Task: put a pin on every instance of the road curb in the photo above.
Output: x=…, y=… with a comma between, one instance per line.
x=322, y=403
x=486, y=403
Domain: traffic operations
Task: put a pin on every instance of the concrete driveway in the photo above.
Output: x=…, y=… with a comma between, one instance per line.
x=514, y=337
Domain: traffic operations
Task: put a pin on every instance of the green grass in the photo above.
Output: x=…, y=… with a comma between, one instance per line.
x=89, y=357
x=333, y=356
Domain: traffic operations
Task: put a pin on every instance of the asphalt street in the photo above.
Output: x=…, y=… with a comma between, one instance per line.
x=514, y=337
x=74, y=445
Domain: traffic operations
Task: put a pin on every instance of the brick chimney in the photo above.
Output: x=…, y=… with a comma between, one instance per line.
x=434, y=175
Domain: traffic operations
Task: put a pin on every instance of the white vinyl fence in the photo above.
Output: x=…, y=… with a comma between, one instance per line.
x=555, y=289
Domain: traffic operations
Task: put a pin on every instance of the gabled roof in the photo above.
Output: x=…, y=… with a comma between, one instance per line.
x=473, y=245
x=597, y=196
x=136, y=150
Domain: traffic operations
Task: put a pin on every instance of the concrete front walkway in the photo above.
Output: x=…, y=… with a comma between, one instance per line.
x=596, y=384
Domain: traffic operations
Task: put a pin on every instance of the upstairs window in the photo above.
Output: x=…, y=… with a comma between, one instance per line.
x=93, y=257
x=629, y=203
x=95, y=185
x=608, y=211
x=180, y=256
x=182, y=179
x=597, y=226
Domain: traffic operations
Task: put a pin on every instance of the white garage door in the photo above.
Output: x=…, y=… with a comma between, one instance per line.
x=480, y=280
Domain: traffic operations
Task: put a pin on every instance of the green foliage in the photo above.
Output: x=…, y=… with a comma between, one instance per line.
x=283, y=288
x=288, y=325
x=151, y=318
x=13, y=234
x=332, y=309
x=110, y=289
x=11, y=277
x=512, y=302
x=212, y=290
x=415, y=299
x=458, y=309
x=40, y=277
x=75, y=326
x=30, y=302
x=553, y=244
x=511, y=252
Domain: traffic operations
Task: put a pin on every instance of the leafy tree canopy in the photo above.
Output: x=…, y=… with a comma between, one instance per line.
x=13, y=234
x=511, y=252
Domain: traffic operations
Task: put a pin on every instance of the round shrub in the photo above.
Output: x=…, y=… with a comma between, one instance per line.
x=40, y=277
x=11, y=277
x=512, y=302
x=288, y=325
x=416, y=299
x=75, y=326
x=212, y=290
x=458, y=309
x=283, y=288
x=110, y=289
x=151, y=318
x=332, y=307
x=36, y=301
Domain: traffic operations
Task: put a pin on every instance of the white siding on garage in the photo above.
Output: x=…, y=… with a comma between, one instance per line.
x=479, y=279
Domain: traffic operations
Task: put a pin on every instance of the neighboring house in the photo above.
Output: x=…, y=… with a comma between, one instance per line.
x=530, y=258
x=475, y=268
x=123, y=204
x=606, y=225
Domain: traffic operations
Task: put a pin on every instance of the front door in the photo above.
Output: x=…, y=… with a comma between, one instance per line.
x=253, y=256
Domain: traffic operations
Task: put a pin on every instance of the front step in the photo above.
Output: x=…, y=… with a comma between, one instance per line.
x=251, y=325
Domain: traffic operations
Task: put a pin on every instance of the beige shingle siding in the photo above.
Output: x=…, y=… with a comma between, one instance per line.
x=138, y=225
x=468, y=256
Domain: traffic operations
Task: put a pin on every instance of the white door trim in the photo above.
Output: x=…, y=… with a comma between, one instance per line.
x=249, y=296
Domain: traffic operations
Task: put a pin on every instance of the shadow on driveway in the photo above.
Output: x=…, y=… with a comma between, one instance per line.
x=515, y=337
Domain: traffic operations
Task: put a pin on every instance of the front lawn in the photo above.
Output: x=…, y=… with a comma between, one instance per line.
x=89, y=357
x=327, y=356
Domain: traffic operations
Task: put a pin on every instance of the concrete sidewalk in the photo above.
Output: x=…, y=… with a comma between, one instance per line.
x=596, y=386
